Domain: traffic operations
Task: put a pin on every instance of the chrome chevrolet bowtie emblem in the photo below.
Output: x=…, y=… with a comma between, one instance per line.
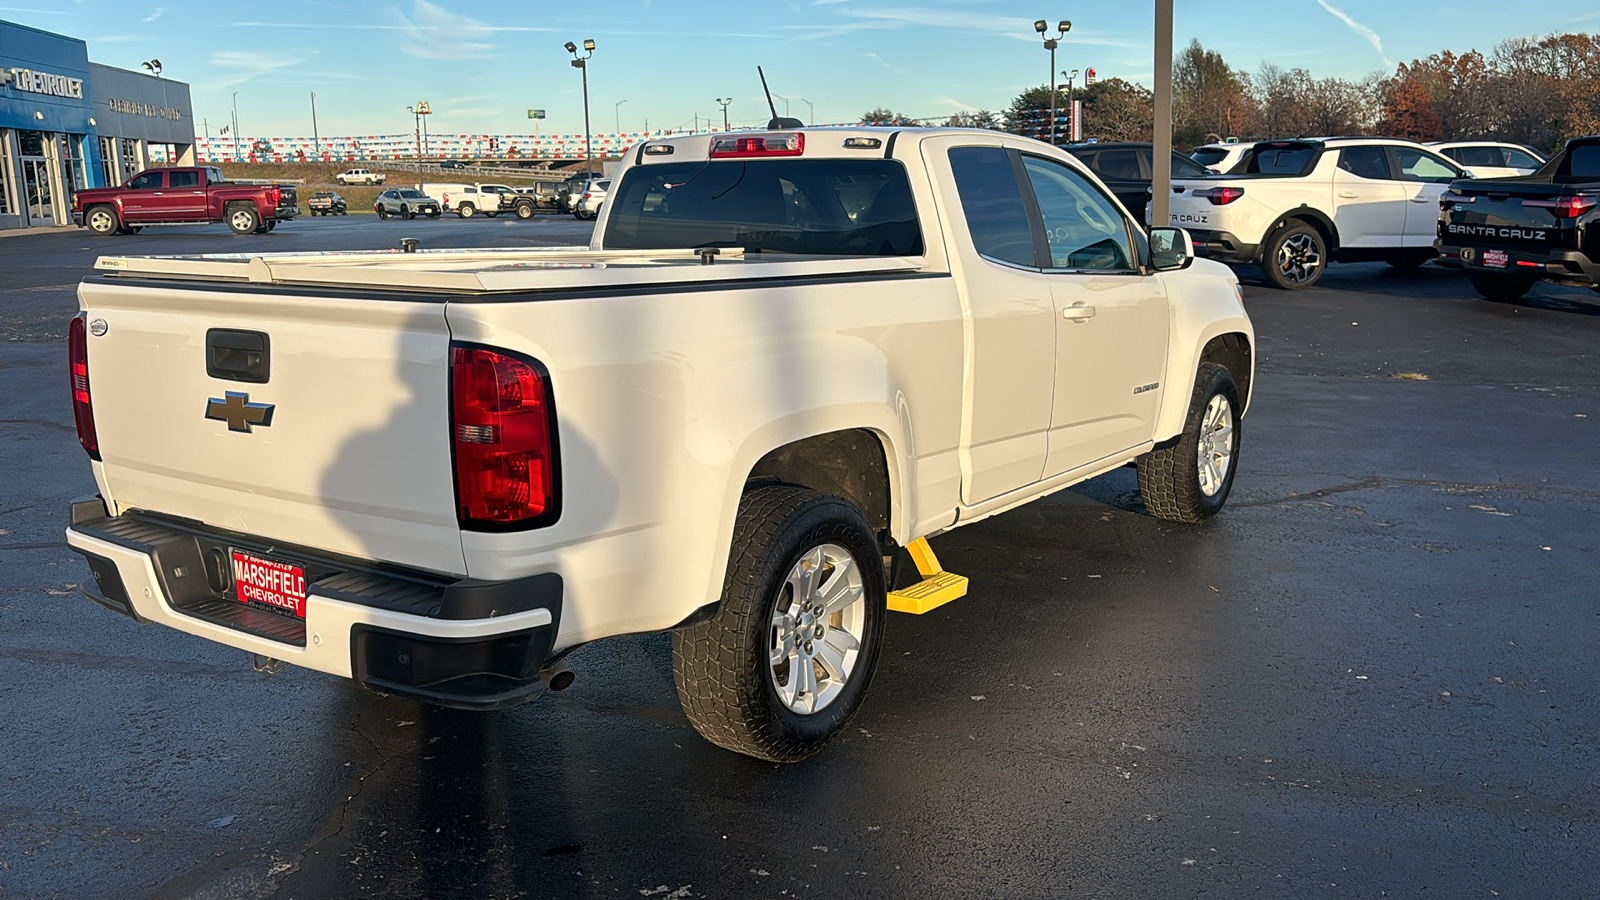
x=237, y=410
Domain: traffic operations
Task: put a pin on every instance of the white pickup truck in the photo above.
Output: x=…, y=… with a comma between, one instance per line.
x=1293, y=206
x=785, y=358
x=360, y=176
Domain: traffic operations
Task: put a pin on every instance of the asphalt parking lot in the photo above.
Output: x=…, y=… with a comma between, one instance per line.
x=1373, y=675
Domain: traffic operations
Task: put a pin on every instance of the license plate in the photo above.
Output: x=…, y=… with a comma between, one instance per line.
x=1496, y=259
x=279, y=586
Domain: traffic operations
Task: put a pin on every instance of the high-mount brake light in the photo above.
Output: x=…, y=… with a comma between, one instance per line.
x=82, y=403
x=862, y=143
x=502, y=427
x=657, y=149
x=1220, y=196
x=1565, y=207
x=791, y=143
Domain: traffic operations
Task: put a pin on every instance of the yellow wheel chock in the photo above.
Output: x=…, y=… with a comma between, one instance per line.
x=936, y=588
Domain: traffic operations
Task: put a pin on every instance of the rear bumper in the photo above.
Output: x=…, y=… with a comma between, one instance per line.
x=461, y=643
x=1222, y=245
x=1563, y=266
x=286, y=212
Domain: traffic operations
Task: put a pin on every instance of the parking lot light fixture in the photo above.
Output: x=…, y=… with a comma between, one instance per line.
x=1050, y=43
x=724, y=103
x=581, y=63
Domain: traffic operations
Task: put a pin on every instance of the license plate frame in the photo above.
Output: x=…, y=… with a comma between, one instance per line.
x=275, y=585
x=1496, y=259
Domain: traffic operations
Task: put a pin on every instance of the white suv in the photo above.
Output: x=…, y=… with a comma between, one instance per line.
x=1492, y=159
x=1295, y=205
x=1220, y=157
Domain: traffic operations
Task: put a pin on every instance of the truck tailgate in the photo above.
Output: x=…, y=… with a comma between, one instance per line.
x=1509, y=213
x=341, y=442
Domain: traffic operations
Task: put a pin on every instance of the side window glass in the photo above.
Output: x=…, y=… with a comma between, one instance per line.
x=1085, y=230
x=991, y=200
x=1365, y=162
x=1118, y=164
x=149, y=181
x=183, y=179
x=1184, y=167
x=1478, y=156
x=1418, y=166
x=1517, y=159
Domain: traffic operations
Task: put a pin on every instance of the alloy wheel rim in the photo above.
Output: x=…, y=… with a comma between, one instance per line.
x=241, y=221
x=1299, y=257
x=818, y=622
x=1215, y=456
x=100, y=220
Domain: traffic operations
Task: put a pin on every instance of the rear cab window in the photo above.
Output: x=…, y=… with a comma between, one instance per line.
x=1209, y=156
x=825, y=206
x=1295, y=158
x=1581, y=165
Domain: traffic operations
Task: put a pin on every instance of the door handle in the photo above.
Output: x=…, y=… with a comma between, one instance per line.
x=1349, y=196
x=198, y=193
x=1078, y=313
x=158, y=193
x=1422, y=199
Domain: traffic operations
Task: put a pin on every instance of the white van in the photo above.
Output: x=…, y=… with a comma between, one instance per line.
x=465, y=200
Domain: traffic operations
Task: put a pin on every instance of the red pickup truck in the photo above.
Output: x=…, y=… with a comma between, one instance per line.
x=183, y=196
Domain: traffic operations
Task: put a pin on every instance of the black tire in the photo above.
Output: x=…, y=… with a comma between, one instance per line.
x=525, y=211
x=726, y=682
x=132, y=229
x=272, y=224
x=382, y=213
x=1294, y=256
x=243, y=219
x=1169, y=477
x=466, y=210
x=1410, y=260
x=103, y=220
x=1502, y=288
x=490, y=214
x=406, y=213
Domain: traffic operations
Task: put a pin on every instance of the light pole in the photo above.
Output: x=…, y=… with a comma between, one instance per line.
x=417, y=112
x=1050, y=44
x=616, y=110
x=724, y=103
x=810, y=110
x=316, y=142
x=1072, y=110
x=153, y=67
x=235, y=126
x=581, y=63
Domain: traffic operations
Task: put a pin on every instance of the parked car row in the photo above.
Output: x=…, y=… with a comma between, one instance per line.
x=1499, y=211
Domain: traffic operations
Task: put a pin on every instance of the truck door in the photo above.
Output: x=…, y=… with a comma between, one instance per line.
x=1425, y=178
x=142, y=201
x=185, y=196
x=1110, y=320
x=1010, y=341
x=1369, y=205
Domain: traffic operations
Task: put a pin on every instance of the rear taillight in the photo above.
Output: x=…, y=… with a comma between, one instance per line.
x=277, y=196
x=1220, y=196
x=1565, y=207
x=790, y=144
x=82, y=404
x=502, y=425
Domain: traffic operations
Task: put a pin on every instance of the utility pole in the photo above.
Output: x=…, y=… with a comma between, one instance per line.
x=616, y=110
x=724, y=103
x=235, y=126
x=316, y=142
x=1161, y=153
x=581, y=63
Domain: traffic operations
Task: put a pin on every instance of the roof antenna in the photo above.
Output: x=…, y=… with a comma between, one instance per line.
x=778, y=121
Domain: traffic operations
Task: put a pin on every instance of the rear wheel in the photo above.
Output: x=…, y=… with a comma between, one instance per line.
x=466, y=210
x=785, y=661
x=490, y=214
x=1294, y=256
x=243, y=219
x=102, y=220
x=1503, y=288
x=1189, y=481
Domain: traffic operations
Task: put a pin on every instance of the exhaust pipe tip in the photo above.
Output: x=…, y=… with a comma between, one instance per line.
x=558, y=677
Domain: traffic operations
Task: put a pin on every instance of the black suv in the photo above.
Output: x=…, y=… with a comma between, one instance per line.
x=1125, y=169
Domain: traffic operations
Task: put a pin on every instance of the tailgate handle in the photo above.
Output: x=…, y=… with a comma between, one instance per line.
x=236, y=355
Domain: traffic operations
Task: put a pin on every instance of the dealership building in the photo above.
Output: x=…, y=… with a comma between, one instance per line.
x=67, y=123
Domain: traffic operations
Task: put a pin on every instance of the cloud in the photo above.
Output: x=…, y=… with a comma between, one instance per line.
x=154, y=16
x=436, y=33
x=1370, y=35
x=240, y=66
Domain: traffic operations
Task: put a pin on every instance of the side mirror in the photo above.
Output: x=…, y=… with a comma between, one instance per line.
x=1171, y=249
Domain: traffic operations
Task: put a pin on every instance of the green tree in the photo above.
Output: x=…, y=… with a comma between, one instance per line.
x=977, y=118
x=885, y=116
x=1209, y=99
x=1117, y=110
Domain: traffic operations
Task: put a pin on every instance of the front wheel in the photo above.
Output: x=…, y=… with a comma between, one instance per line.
x=1188, y=481
x=383, y=213
x=1294, y=256
x=490, y=214
x=525, y=211
x=406, y=213
x=243, y=220
x=1504, y=288
x=102, y=220
x=785, y=661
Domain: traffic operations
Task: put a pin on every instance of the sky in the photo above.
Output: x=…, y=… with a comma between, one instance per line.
x=661, y=63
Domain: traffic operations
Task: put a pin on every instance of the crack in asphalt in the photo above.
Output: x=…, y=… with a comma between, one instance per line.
x=1380, y=481
x=42, y=423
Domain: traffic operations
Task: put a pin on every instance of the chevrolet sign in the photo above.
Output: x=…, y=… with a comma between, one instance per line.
x=43, y=83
